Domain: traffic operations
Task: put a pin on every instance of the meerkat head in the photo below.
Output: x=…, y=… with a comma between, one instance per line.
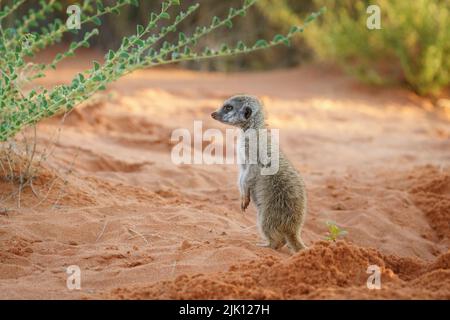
x=241, y=111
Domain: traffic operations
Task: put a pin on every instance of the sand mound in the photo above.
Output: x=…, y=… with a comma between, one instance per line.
x=326, y=270
x=431, y=193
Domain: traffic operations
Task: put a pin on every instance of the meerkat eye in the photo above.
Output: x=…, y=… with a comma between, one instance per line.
x=228, y=107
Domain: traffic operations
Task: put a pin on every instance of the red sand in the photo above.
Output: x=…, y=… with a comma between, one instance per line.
x=375, y=161
x=326, y=270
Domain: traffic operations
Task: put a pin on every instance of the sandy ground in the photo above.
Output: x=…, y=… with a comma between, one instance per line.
x=375, y=161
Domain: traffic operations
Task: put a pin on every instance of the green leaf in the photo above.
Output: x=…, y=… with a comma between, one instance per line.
x=207, y=51
x=175, y=55
x=181, y=37
x=215, y=21
x=229, y=23
x=224, y=48
x=248, y=3
x=124, y=54
x=100, y=6
x=279, y=38
x=311, y=17
x=261, y=43
x=187, y=51
x=110, y=54
x=96, y=21
x=140, y=29
x=73, y=46
x=164, y=15
x=295, y=29
x=151, y=52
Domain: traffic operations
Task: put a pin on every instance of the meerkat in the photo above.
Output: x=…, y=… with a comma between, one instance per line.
x=279, y=198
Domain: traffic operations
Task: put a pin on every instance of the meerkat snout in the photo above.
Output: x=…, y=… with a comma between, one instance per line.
x=280, y=198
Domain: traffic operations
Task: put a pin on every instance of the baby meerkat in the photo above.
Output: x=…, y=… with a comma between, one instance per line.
x=280, y=198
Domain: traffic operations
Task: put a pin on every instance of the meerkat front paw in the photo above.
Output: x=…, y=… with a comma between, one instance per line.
x=245, y=201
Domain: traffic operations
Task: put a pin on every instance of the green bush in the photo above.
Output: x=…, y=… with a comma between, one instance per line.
x=413, y=46
x=146, y=48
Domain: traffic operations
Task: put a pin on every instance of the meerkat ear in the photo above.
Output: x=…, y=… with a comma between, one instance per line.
x=247, y=112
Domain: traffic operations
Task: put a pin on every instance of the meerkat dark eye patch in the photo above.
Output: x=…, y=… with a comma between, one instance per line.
x=247, y=112
x=228, y=107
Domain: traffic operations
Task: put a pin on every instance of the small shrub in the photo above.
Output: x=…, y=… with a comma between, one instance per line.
x=334, y=231
x=412, y=47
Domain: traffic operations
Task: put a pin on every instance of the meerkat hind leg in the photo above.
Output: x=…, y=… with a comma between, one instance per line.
x=294, y=242
x=273, y=243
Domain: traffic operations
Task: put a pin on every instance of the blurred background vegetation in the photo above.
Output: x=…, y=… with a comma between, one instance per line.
x=411, y=49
